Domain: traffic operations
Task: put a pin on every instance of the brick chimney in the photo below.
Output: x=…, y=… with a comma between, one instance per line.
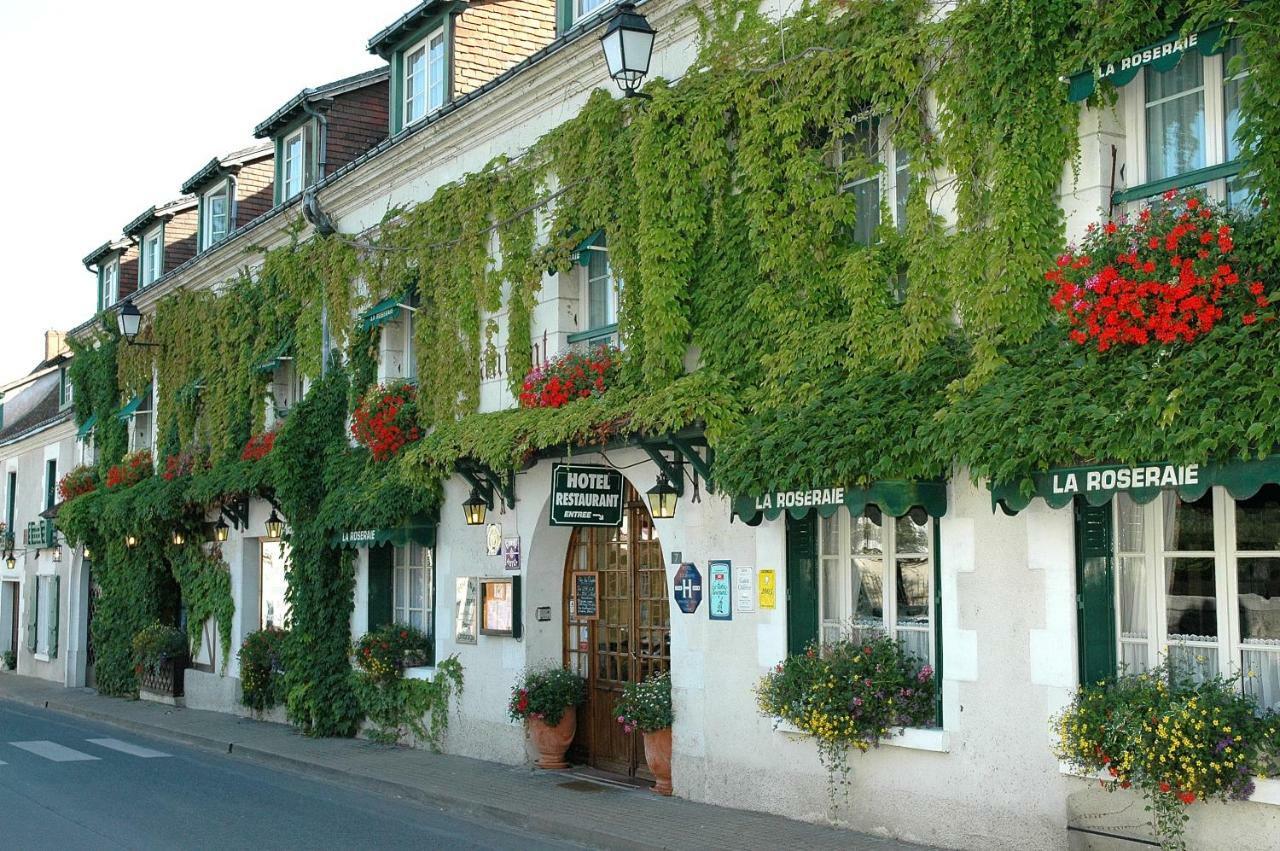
x=54, y=344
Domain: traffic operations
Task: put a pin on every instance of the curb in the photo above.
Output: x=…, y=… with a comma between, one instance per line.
x=548, y=826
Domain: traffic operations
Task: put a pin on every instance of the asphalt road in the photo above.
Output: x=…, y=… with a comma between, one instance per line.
x=68, y=783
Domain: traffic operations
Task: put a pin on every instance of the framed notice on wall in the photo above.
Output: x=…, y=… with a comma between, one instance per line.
x=500, y=607
x=465, y=625
x=586, y=595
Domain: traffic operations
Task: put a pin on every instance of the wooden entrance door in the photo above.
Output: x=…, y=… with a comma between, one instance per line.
x=629, y=641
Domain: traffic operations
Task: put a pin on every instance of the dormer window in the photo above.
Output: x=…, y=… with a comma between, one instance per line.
x=108, y=283
x=424, y=77
x=152, y=256
x=66, y=390
x=215, y=215
x=295, y=170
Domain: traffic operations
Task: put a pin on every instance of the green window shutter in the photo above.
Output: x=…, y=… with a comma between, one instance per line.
x=33, y=614
x=55, y=598
x=802, y=582
x=564, y=16
x=1095, y=592
x=380, y=577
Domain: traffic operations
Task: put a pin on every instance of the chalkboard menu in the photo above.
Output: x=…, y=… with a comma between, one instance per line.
x=586, y=595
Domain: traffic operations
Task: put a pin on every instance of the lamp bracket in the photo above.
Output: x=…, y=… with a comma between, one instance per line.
x=673, y=469
x=236, y=513
x=702, y=466
x=489, y=483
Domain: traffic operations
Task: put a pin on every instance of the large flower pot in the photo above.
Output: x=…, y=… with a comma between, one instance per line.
x=657, y=753
x=552, y=742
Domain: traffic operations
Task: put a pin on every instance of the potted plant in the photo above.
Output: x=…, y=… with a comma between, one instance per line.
x=386, y=419
x=262, y=669
x=389, y=649
x=160, y=658
x=646, y=707
x=10, y=660
x=547, y=698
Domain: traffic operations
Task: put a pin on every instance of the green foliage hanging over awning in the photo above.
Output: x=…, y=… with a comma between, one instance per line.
x=1164, y=55
x=1143, y=482
x=380, y=314
x=273, y=359
x=893, y=498
x=582, y=252
x=133, y=405
x=86, y=427
x=419, y=529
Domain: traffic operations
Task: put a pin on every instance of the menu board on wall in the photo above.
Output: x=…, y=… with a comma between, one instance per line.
x=586, y=594
x=464, y=613
x=500, y=607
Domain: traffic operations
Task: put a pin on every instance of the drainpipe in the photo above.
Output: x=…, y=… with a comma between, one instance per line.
x=312, y=212
x=322, y=143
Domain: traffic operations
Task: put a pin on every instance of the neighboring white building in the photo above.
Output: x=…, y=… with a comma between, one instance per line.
x=43, y=583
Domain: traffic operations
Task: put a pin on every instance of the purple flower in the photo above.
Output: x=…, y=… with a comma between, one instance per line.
x=925, y=673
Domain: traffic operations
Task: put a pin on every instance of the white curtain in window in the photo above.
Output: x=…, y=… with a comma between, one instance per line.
x=1175, y=119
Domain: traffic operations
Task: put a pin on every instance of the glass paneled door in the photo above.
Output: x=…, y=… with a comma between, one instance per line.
x=629, y=640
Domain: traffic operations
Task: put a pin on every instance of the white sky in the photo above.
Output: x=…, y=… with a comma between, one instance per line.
x=109, y=106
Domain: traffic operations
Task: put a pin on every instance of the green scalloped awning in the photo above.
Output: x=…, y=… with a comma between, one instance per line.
x=272, y=360
x=419, y=529
x=1164, y=55
x=895, y=498
x=582, y=252
x=132, y=405
x=86, y=427
x=1143, y=482
x=380, y=314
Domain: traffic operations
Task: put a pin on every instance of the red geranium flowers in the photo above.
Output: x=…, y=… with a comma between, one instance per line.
x=573, y=375
x=1163, y=278
x=386, y=419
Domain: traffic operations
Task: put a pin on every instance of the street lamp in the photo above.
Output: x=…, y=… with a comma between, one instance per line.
x=221, y=530
x=275, y=526
x=662, y=499
x=474, y=508
x=57, y=554
x=628, y=45
x=10, y=560
x=178, y=538
x=129, y=321
x=88, y=553
x=131, y=541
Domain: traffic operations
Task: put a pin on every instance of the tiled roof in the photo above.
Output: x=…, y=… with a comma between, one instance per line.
x=285, y=115
x=219, y=166
x=46, y=412
x=385, y=41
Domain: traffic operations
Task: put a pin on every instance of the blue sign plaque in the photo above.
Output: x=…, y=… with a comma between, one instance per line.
x=688, y=588
x=720, y=580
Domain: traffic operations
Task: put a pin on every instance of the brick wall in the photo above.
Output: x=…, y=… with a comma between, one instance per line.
x=492, y=35
x=129, y=270
x=180, y=239
x=357, y=122
x=255, y=185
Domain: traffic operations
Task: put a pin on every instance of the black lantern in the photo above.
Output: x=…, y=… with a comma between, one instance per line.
x=221, y=530
x=474, y=508
x=57, y=554
x=662, y=499
x=628, y=44
x=178, y=538
x=88, y=554
x=131, y=541
x=275, y=526
x=129, y=320
x=10, y=560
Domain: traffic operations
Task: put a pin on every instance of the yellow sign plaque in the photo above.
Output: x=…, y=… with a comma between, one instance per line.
x=768, y=589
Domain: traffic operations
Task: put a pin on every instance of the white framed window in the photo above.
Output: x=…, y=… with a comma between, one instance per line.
x=294, y=168
x=44, y=615
x=884, y=176
x=140, y=426
x=424, y=77
x=1198, y=585
x=152, y=256
x=66, y=389
x=410, y=353
x=412, y=587
x=215, y=215
x=273, y=602
x=85, y=450
x=110, y=289
x=1185, y=119
x=876, y=575
x=601, y=291
x=584, y=8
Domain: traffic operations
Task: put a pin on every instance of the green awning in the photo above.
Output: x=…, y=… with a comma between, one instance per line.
x=582, y=252
x=895, y=498
x=1163, y=56
x=274, y=358
x=1144, y=482
x=133, y=405
x=381, y=313
x=419, y=529
x=86, y=427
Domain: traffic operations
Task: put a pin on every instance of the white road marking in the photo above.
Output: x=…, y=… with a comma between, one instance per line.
x=53, y=751
x=125, y=747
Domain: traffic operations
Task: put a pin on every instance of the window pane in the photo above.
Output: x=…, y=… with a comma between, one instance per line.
x=902, y=187
x=437, y=72
x=867, y=533
x=866, y=203
x=916, y=642
x=829, y=534
x=1188, y=526
x=913, y=591
x=1191, y=600
x=868, y=592
x=831, y=591
x=1134, y=584
x=415, y=588
x=1175, y=119
x=912, y=533
x=1258, y=520
x=1231, y=97
x=415, y=85
x=1129, y=524
x=1262, y=676
x=1259, y=588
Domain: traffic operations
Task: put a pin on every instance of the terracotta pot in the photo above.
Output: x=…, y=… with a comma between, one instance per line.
x=552, y=742
x=657, y=752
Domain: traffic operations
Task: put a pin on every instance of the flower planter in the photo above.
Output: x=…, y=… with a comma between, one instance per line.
x=552, y=742
x=164, y=680
x=657, y=753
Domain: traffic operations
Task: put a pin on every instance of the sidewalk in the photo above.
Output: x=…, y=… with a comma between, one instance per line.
x=549, y=803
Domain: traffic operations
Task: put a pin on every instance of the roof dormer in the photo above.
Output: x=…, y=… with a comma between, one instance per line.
x=230, y=192
x=165, y=237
